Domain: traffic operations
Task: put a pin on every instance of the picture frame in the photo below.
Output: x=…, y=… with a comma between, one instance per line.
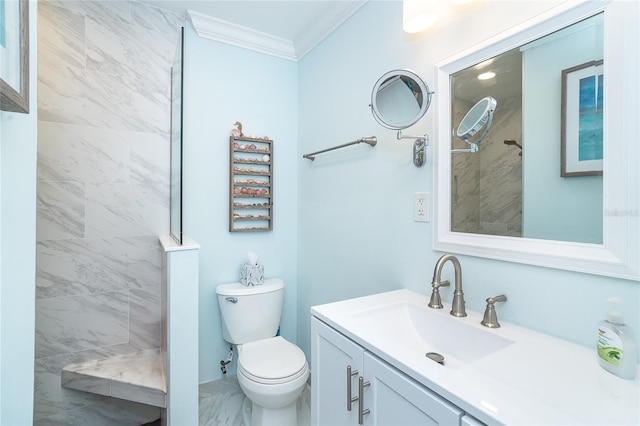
x=582, y=121
x=14, y=56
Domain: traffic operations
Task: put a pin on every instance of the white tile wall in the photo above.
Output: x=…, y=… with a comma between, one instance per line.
x=103, y=194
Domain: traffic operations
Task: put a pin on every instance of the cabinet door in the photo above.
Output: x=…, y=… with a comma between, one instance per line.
x=468, y=420
x=395, y=399
x=331, y=354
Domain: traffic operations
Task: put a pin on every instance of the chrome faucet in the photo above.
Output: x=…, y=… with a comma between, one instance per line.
x=457, y=308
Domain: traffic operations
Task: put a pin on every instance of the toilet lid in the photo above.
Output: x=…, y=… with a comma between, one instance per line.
x=272, y=360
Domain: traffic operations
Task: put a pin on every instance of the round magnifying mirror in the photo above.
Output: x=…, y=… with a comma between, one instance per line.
x=399, y=99
x=479, y=116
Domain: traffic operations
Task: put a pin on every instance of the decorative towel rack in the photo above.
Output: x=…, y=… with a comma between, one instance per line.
x=371, y=140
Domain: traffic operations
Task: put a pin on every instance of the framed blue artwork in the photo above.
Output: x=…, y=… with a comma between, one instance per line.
x=3, y=31
x=582, y=120
x=14, y=55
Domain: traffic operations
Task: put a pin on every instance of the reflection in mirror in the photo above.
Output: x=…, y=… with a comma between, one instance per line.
x=175, y=222
x=513, y=185
x=479, y=116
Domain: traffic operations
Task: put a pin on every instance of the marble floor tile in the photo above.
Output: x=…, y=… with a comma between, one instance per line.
x=221, y=404
x=109, y=412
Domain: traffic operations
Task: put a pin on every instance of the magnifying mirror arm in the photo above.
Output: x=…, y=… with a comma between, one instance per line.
x=473, y=147
x=420, y=145
x=400, y=136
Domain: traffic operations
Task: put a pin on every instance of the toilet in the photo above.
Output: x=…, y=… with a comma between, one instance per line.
x=272, y=372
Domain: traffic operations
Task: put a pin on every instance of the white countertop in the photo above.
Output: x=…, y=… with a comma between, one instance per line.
x=537, y=380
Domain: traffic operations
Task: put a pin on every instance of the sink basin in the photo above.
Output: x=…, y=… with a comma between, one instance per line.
x=416, y=328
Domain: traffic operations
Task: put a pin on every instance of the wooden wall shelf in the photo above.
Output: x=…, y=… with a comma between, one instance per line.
x=250, y=184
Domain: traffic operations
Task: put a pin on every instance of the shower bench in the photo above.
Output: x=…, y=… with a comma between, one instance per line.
x=137, y=377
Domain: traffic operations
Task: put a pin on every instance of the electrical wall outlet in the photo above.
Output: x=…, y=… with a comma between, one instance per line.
x=421, y=207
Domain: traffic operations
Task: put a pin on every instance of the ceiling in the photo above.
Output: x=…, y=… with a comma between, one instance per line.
x=293, y=27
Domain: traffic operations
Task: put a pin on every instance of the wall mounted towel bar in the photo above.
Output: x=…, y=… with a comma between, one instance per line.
x=371, y=140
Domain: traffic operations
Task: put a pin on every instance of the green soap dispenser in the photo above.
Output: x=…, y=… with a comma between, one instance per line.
x=616, y=345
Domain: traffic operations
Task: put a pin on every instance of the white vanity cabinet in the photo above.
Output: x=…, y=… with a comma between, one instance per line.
x=387, y=397
x=331, y=355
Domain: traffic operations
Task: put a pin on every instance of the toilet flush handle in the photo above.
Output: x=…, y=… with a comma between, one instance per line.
x=231, y=299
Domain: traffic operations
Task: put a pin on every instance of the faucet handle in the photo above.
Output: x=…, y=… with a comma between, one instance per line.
x=490, y=318
x=435, y=302
x=500, y=298
x=444, y=283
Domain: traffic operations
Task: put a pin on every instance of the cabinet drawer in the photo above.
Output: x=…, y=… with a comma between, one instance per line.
x=395, y=399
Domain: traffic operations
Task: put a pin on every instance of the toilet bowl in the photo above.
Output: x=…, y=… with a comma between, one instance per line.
x=272, y=372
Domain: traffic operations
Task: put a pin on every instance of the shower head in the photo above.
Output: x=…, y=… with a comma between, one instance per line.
x=513, y=142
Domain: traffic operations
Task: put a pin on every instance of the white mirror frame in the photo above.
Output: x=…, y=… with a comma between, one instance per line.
x=619, y=255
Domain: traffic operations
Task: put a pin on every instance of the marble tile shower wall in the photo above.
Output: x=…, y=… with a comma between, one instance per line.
x=103, y=194
x=487, y=186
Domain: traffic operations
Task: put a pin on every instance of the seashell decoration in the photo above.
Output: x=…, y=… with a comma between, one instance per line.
x=236, y=132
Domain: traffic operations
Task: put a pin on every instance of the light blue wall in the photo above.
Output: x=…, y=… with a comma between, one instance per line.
x=224, y=84
x=17, y=250
x=555, y=207
x=356, y=229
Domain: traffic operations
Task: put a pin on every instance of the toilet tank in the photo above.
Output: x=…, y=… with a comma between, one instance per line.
x=250, y=313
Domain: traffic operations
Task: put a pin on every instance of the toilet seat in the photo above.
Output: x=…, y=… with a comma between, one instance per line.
x=272, y=361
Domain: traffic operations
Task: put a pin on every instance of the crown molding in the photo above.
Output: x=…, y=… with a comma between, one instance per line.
x=321, y=27
x=237, y=35
x=324, y=25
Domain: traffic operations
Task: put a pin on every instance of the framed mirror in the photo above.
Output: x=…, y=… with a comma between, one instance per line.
x=536, y=216
x=14, y=56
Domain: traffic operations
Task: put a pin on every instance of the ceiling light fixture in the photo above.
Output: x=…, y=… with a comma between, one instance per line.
x=418, y=15
x=486, y=75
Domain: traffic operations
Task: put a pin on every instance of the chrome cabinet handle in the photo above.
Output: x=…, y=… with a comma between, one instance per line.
x=231, y=299
x=361, y=411
x=350, y=399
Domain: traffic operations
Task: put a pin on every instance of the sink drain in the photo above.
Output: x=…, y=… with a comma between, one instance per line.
x=435, y=356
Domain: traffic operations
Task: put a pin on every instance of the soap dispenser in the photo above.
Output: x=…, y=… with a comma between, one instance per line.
x=616, y=345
